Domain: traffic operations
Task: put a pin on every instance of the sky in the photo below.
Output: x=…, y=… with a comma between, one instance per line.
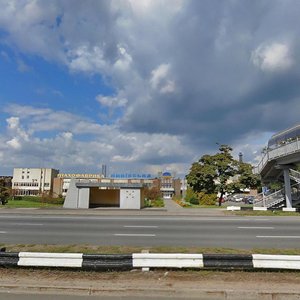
x=144, y=85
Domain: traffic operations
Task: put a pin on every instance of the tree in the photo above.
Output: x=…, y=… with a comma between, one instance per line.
x=152, y=193
x=4, y=192
x=212, y=174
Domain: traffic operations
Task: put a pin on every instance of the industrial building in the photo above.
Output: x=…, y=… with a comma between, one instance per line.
x=33, y=181
x=94, y=190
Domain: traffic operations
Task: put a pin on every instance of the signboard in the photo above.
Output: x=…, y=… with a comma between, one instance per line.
x=62, y=175
x=131, y=176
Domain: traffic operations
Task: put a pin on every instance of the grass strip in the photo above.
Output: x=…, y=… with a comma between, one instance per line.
x=92, y=249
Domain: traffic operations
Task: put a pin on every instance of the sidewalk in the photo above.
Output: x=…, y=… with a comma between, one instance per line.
x=171, y=209
x=163, y=284
x=172, y=206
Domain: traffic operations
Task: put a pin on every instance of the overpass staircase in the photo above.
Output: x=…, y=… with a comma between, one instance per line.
x=277, y=198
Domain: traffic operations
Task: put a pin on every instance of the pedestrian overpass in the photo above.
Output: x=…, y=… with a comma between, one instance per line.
x=275, y=164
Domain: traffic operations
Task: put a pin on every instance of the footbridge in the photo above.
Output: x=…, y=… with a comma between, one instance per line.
x=275, y=164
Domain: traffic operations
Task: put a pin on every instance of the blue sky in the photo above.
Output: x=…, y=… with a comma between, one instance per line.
x=144, y=86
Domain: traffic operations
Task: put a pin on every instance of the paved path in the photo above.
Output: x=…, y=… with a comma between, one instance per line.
x=172, y=209
x=175, y=209
x=172, y=206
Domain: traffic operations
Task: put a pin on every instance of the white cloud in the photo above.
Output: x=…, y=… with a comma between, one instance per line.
x=111, y=101
x=177, y=66
x=160, y=79
x=66, y=151
x=14, y=143
x=13, y=122
x=272, y=57
x=124, y=60
x=16, y=130
x=84, y=59
x=159, y=74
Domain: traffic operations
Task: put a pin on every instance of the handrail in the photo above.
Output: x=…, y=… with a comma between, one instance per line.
x=295, y=175
x=280, y=151
x=274, y=198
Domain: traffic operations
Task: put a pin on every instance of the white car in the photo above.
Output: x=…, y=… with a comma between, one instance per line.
x=238, y=198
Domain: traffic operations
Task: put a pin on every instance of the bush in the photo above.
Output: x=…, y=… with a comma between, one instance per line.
x=191, y=197
x=194, y=201
x=44, y=199
x=154, y=203
x=207, y=199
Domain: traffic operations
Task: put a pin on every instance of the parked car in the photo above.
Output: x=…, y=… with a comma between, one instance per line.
x=249, y=199
x=236, y=198
x=239, y=198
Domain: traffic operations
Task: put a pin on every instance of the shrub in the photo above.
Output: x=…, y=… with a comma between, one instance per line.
x=191, y=197
x=207, y=199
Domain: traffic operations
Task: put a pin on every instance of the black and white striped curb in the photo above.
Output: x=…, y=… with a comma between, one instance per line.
x=148, y=260
x=284, y=209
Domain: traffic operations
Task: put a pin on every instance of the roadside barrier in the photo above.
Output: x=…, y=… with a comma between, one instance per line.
x=149, y=260
x=285, y=209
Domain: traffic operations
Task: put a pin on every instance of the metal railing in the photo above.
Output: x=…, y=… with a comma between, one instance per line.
x=270, y=200
x=278, y=196
x=271, y=154
x=295, y=175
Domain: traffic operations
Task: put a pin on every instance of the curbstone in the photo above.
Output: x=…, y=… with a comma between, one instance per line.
x=107, y=261
x=149, y=260
x=9, y=259
x=228, y=261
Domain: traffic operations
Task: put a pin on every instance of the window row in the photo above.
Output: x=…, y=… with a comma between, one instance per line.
x=27, y=192
x=46, y=184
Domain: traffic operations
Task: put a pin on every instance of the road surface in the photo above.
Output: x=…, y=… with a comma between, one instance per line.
x=220, y=231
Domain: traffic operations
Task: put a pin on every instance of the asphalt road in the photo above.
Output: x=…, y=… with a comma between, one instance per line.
x=220, y=231
x=24, y=296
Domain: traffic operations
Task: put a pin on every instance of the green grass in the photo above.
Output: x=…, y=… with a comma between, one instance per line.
x=31, y=203
x=154, y=203
x=264, y=213
x=92, y=249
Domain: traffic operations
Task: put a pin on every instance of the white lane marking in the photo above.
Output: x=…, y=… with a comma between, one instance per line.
x=27, y=224
x=3, y=232
x=140, y=226
x=133, y=234
x=256, y=227
x=129, y=218
x=279, y=236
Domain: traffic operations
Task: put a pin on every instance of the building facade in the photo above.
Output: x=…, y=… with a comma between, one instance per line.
x=33, y=181
x=169, y=185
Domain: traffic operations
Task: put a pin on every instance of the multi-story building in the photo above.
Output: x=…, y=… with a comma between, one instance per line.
x=169, y=185
x=62, y=182
x=33, y=181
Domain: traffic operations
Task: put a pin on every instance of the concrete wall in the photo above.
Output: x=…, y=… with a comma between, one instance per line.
x=77, y=198
x=91, y=196
x=57, y=187
x=104, y=197
x=130, y=198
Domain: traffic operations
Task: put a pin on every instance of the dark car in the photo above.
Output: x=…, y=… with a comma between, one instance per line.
x=249, y=199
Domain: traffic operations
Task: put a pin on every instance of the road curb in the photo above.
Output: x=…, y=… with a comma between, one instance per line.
x=137, y=292
x=102, y=262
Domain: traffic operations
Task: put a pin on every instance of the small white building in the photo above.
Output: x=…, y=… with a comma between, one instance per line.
x=33, y=181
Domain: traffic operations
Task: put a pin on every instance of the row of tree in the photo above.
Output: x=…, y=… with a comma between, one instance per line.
x=221, y=174
x=4, y=192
